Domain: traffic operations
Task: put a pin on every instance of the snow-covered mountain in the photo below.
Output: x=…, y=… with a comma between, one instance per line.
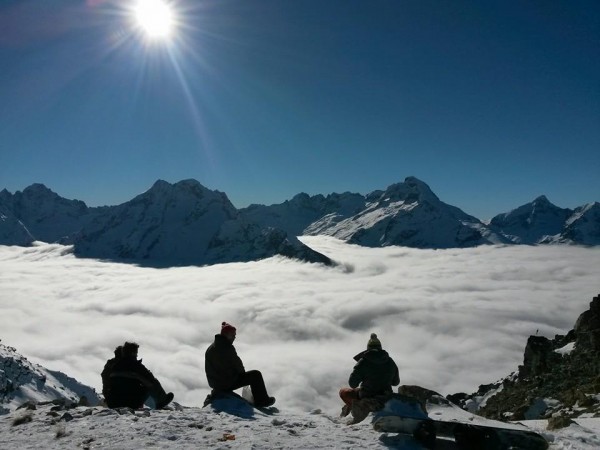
x=531, y=223
x=239, y=240
x=166, y=223
x=47, y=216
x=582, y=227
x=541, y=222
x=186, y=223
x=12, y=230
x=408, y=214
x=302, y=210
x=183, y=223
x=22, y=381
x=170, y=224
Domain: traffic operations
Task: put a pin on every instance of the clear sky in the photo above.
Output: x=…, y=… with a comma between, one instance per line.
x=491, y=103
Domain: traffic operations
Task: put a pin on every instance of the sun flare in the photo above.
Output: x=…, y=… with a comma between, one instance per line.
x=154, y=17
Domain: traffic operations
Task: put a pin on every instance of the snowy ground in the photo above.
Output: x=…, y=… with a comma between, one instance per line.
x=241, y=428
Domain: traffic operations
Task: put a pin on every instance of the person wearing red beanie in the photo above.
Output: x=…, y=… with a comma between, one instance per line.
x=225, y=371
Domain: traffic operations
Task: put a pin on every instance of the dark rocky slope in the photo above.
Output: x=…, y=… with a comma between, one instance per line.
x=559, y=378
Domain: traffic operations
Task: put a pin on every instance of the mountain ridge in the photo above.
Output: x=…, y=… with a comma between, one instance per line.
x=187, y=223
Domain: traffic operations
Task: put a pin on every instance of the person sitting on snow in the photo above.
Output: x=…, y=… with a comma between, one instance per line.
x=126, y=382
x=374, y=375
x=108, y=369
x=225, y=371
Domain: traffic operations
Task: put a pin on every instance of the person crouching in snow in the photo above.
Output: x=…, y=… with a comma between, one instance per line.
x=372, y=378
x=127, y=383
x=225, y=371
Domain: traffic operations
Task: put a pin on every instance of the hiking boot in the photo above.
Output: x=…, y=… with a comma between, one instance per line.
x=345, y=410
x=269, y=402
x=164, y=401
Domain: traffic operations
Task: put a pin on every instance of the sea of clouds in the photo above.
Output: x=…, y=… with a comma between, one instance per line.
x=451, y=319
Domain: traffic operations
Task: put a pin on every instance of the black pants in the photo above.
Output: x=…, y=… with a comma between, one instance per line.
x=254, y=379
x=132, y=393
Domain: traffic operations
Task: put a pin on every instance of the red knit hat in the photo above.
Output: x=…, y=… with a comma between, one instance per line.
x=225, y=327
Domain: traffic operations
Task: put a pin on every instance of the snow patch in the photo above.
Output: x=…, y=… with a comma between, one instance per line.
x=567, y=349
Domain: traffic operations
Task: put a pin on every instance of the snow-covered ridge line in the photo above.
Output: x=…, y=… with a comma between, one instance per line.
x=168, y=225
x=22, y=381
x=186, y=223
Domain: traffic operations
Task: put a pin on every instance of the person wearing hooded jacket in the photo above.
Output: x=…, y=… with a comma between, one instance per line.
x=225, y=371
x=126, y=382
x=374, y=374
x=108, y=368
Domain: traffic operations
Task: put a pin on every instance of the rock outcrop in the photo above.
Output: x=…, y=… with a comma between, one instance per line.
x=559, y=377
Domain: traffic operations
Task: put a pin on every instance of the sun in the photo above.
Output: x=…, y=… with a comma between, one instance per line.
x=155, y=18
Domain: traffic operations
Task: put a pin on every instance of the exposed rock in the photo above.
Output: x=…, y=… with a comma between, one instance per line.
x=561, y=375
x=587, y=327
x=557, y=422
x=539, y=355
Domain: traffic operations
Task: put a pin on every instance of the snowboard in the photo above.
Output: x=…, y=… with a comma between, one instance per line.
x=466, y=436
x=437, y=417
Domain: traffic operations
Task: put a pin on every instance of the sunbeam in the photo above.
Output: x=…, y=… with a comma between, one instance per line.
x=155, y=18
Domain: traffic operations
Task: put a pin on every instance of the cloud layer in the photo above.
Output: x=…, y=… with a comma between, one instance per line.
x=452, y=319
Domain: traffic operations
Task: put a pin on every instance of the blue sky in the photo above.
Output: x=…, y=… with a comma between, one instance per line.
x=491, y=103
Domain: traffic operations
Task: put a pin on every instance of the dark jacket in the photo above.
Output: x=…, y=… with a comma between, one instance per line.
x=133, y=368
x=222, y=364
x=108, y=368
x=127, y=382
x=375, y=372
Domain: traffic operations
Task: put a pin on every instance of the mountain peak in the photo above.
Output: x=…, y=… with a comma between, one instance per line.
x=410, y=191
x=301, y=197
x=414, y=180
x=36, y=186
x=190, y=182
x=532, y=222
x=160, y=183
x=38, y=189
x=189, y=185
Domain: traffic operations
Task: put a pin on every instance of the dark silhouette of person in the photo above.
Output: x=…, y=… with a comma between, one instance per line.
x=374, y=374
x=108, y=367
x=225, y=371
x=126, y=382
